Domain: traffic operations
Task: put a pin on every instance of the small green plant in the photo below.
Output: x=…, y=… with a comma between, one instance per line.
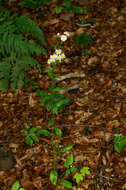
x=17, y=186
x=85, y=52
x=58, y=9
x=54, y=173
x=68, y=164
x=53, y=102
x=119, y=143
x=80, y=176
x=31, y=134
x=16, y=50
x=69, y=170
x=33, y=4
x=65, y=5
x=87, y=131
x=83, y=39
x=76, y=9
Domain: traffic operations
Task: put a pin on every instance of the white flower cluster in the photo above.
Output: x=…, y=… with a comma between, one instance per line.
x=64, y=36
x=56, y=57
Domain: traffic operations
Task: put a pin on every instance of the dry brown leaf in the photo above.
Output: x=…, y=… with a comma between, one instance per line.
x=93, y=61
x=31, y=101
x=67, y=16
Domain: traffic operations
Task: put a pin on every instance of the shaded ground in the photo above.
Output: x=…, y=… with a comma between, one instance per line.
x=99, y=104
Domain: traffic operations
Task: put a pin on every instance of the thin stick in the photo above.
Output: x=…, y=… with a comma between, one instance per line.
x=70, y=75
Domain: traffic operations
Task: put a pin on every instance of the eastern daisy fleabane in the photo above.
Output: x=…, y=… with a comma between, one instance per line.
x=67, y=33
x=63, y=38
x=58, y=51
x=57, y=57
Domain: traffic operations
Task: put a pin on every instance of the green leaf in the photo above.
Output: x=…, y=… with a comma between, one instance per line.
x=33, y=130
x=29, y=141
x=66, y=148
x=53, y=102
x=24, y=132
x=119, y=143
x=79, y=10
x=86, y=131
x=67, y=172
x=34, y=138
x=57, y=89
x=22, y=188
x=69, y=161
x=26, y=126
x=66, y=183
x=16, y=186
x=67, y=4
x=85, y=52
x=53, y=176
x=33, y=4
x=78, y=177
x=58, y=132
x=58, y=9
x=44, y=132
x=58, y=46
x=85, y=171
x=73, y=170
x=83, y=39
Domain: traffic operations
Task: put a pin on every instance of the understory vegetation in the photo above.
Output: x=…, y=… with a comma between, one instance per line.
x=62, y=95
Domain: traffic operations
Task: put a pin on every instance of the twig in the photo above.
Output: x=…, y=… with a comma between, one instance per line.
x=69, y=75
x=76, y=86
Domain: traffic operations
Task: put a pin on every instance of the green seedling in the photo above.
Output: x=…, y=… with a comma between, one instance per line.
x=80, y=176
x=53, y=176
x=68, y=164
x=119, y=143
x=58, y=9
x=53, y=102
x=54, y=173
x=83, y=39
x=75, y=9
x=56, y=152
x=17, y=186
x=31, y=134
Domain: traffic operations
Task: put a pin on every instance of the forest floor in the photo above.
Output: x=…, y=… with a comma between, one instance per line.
x=98, y=109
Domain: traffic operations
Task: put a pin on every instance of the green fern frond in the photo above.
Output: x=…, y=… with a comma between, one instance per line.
x=18, y=75
x=4, y=15
x=19, y=45
x=17, y=78
x=7, y=27
x=5, y=69
x=16, y=50
x=26, y=25
x=33, y=4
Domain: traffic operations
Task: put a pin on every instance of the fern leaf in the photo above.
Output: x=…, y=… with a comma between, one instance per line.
x=17, y=78
x=5, y=69
x=18, y=75
x=4, y=15
x=18, y=46
x=33, y=4
x=26, y=25
x=7, y=27
x=26, y=62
